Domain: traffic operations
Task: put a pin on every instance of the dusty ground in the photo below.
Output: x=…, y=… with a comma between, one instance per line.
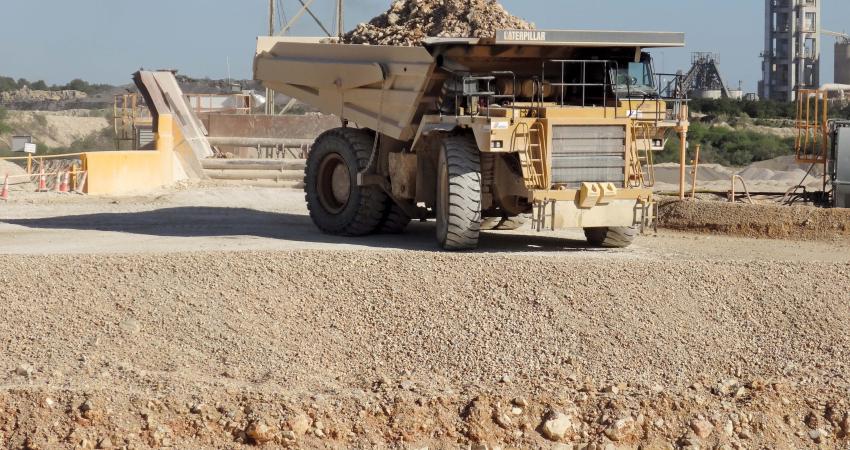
x=219, y=318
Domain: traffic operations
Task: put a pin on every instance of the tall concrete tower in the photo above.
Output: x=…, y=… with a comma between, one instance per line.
x=791, y=48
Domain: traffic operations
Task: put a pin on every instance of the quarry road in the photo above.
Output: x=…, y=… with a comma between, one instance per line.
x=219, y=218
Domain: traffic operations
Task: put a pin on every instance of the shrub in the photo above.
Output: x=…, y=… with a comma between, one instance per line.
x=4, y=127
x=729, y=147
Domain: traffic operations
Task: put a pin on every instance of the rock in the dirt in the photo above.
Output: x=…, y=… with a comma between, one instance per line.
x=260, y=432
x=621, y=429
x=818, y=435
x=502, y=420
x=24, y=370
x=131, y=326
x=86, y=408
x=300, y=424
x=702, y=428
x=557, y=425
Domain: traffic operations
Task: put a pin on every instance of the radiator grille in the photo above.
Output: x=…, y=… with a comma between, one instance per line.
x=588, y=153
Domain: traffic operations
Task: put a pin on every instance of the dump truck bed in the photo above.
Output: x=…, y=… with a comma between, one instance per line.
x=389, y=88
x=379, y=87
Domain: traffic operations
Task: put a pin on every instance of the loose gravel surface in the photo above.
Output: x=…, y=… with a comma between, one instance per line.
x=533, y=342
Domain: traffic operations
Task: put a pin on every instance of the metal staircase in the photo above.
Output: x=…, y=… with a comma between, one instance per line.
x=641, y=157
x=529, y=141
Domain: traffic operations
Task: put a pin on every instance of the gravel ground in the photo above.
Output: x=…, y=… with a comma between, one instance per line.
x=371, y=344
x=219, y=318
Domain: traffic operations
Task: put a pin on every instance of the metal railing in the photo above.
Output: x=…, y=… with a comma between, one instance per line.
x=812, y=141
x=470, y=90
x=127, y=111
x=477, y=93
x=221, y=103
x=606, y=83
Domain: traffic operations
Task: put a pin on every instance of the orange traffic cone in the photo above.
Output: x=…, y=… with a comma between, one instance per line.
x=58, y=182
x=42, y=181
x=4, y=194
x=63, y=185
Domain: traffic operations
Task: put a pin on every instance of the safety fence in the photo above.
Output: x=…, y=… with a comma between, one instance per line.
x=48, y=173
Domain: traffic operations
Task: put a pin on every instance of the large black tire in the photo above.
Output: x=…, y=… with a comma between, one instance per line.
x=459, y=194
x=503, y=223
x=611, y=237
x=336, y=203
x=395, y=220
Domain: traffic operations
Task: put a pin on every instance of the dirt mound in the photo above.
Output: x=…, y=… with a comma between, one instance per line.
x=55, y=129
x=759, y=220
x=408, y=22
x=772, y=175
x=342, y=349
x=16, y=181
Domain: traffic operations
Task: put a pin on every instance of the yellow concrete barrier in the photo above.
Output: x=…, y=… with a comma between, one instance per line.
x=140, y=171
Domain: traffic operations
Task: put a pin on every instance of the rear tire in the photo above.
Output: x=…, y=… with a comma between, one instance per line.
x=459, y=194
x=611, y=237
x=503, y=223
x=395, y=220
x=336, y=203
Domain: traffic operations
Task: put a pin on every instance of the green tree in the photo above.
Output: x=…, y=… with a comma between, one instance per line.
x=4, y=127
x=7, y=84
x=39, y=85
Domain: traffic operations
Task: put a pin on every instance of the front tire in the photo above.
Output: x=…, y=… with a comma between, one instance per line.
x=459, y=194
x=611, y=237
x=336, y=203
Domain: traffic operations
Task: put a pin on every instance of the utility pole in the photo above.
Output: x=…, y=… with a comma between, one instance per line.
x=340, y=19
x=270, y=93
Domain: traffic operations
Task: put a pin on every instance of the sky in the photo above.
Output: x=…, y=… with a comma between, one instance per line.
x=107, y=40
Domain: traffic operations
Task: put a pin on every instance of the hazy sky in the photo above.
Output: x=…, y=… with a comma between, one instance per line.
x=107, y=40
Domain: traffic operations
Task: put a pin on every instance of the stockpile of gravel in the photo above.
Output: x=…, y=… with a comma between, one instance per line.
x=758, y=221
x=408, y=22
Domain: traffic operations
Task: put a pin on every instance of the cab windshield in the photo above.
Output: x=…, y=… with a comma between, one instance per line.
x=635, y=79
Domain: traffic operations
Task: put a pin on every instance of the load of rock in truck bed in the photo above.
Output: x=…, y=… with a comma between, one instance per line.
x=408, y=22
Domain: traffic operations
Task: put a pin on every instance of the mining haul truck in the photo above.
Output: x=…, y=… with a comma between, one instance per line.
x=476, y=133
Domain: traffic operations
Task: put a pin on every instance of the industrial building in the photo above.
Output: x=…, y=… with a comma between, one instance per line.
x=704, y=79
x=842, y=60
x=792, y=48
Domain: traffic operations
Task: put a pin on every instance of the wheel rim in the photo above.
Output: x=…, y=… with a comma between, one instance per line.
x=442, y=200
x=334, y=183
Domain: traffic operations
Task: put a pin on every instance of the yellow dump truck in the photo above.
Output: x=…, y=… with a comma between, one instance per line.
x=558, y=125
